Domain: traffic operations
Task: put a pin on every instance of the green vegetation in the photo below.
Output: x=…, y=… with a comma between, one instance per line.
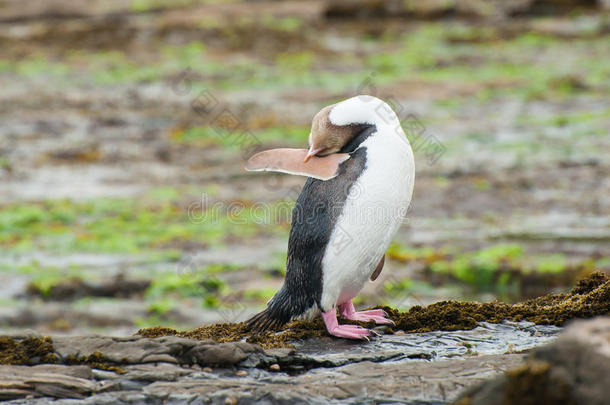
x=401, y=253
x=479, y=267
x=148, y=5
x=450, y=64
x=5, y=164
x=525, y=66
x=188, y=284
x=132, y=225
x=238, y=139
x=42, y=278
x=500, y=267
x=285, y=24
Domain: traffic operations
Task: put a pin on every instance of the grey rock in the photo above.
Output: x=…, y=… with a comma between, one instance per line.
x=156, y=372
x=170, y=349
x=53, y=381
x=410, y=368
x=575, y=370
x=385, y=381
x=488, y=338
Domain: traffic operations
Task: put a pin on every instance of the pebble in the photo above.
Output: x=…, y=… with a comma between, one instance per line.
x=399, y=332
x=230, y=401
x=207, y=370
x=274, y=367
x=241, y=373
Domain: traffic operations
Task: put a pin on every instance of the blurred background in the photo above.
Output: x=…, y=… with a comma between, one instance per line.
x=125, y=125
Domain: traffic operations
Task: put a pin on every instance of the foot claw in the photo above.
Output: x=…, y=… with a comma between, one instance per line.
x=348, y=331
x=379, y=316
x=351, y=331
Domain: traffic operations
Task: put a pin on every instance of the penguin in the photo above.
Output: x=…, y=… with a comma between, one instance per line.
x=361, y=174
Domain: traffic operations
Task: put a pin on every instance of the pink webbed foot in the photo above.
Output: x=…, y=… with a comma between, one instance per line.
x=375, y=312
x=344, y=331
x=377, y=315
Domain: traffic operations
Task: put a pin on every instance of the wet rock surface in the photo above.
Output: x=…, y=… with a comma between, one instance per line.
x=435, y=367
x=222, y=362
x=573, y=370
x=430, y=367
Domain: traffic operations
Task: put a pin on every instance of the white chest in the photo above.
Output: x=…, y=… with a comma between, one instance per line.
x=374, y=209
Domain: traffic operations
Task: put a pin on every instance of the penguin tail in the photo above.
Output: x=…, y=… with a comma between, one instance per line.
x=279, y=312
x=265, y=320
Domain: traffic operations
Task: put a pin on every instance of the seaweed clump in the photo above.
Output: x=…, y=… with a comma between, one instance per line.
x=95, y=360
x=157, y=331
x=589, y=298
x=40, y=350
x=233, y=332
x=30, y=350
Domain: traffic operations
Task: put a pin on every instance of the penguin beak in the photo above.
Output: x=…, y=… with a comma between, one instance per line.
x=312, y=152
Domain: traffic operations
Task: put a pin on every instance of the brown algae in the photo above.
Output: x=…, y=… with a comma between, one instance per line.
x=95, y=360
x=40, y=350
x=589, y=298
x=30, y=350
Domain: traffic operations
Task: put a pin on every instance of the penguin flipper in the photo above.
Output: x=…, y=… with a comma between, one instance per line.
x=378, y=269
x=292, y=161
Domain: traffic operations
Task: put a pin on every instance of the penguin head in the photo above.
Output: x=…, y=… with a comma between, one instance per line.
x=336, y=125
x=335, y=133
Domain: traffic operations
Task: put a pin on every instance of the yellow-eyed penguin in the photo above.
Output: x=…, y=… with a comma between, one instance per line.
x=361, y=174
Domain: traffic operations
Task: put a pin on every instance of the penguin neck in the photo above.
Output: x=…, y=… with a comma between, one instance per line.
x=357, y=140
